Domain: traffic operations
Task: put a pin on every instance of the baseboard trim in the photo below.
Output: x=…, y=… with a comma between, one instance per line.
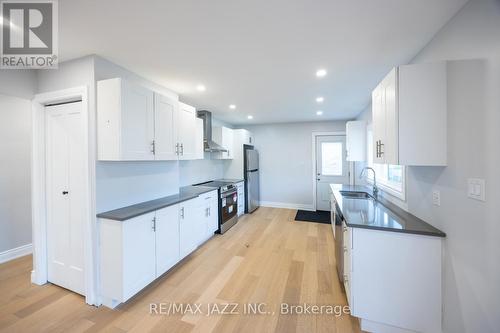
x=286, y=205
x=15, y=253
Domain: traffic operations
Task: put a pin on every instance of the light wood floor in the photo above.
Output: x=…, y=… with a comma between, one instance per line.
x=266, y=258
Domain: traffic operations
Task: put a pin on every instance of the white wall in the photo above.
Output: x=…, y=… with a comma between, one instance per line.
x=16, y=90
x=471, y=276
x=285, y=161
x=18, y=82
x=15, y=172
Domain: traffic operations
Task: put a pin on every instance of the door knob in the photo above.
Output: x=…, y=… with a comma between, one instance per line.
x=65, y=192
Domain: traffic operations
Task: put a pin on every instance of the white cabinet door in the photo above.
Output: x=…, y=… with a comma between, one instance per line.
x=241, y=198
x=224, y=137
x=139, y=267
x=190, y=233
x=228, y=143
x=378, y=114
x=166, y=118
x=187, y=132
x=137, y=122
x=390, y=145
x=200, y=148
x=213, y=215
x=167, y=238
x=210, y=213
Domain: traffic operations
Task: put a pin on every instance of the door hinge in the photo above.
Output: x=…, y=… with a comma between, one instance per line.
x=153, y=225
x=177, y=149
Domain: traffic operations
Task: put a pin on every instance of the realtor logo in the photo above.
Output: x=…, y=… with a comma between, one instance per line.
x=29, y=34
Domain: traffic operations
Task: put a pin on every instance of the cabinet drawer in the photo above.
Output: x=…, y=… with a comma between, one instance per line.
x=209, y=196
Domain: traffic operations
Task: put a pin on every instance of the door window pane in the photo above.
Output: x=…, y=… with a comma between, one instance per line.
x=331, y=158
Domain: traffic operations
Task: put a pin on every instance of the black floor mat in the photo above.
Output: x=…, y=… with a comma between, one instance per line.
x=319, y=216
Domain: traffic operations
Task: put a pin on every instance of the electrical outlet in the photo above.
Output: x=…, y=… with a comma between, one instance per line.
x=436, y=198
x=476, y=189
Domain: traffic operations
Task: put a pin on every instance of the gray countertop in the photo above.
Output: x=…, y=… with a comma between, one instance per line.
x=126, y=213
x=379, y=214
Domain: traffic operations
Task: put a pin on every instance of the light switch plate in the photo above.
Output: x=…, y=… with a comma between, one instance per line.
x=476, y=189
x=436, y=198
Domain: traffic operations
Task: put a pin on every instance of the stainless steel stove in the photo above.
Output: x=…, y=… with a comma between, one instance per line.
x=228, y=202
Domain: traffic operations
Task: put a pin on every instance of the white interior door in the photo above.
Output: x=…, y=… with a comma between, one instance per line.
x=65, y=195
x=331, y=167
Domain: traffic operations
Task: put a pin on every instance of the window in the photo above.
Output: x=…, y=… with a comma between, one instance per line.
x=331, y=158
x=390, y=178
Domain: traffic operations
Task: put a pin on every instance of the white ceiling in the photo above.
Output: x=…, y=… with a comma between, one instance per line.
x=260, y=55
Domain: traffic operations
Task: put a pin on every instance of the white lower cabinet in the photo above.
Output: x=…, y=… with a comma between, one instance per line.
x=393, y=280
x=127, y=261
x=210, y=217
x=241, y=198
x=190, y=233
x=167, y=238
x=136, y=251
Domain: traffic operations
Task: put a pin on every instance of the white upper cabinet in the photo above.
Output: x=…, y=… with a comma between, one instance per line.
x=187, y=132
x=165, y=128
x=125, y=121
x=409, y=110
x=224, y=136
x=356, y=140
x=200, y=149
x=135, y=123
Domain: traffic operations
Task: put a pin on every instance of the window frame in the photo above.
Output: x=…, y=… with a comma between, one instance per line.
x=384, y=184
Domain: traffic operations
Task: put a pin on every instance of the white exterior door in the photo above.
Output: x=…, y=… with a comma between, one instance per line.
x=65, y=191
x=165, y=128
x=331, y=167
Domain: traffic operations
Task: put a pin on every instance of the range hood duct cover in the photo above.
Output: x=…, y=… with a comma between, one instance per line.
x=209, y=144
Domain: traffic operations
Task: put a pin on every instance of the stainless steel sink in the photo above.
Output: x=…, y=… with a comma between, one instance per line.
x=355, y=195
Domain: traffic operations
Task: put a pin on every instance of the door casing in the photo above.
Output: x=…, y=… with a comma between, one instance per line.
x=38, y=193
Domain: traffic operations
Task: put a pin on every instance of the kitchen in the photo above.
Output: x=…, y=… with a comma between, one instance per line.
x=200, y=186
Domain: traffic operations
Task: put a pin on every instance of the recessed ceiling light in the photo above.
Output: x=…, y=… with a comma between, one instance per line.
x=319, y=99
x=201, y=87
x=321, y=72
x=232, y=106
x=319, y=113
x=250, y=117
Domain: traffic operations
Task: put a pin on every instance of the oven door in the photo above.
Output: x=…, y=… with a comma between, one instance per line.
x=229, y=209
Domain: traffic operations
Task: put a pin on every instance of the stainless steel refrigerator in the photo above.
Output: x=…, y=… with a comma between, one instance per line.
x=252, y=179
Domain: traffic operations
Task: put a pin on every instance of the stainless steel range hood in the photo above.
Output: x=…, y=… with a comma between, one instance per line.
x=209, y=144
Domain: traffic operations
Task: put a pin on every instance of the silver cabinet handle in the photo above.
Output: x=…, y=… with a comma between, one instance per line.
x=345, y=248
x=153, y=147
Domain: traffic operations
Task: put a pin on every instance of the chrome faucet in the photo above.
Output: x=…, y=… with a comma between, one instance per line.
x=375, y=188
